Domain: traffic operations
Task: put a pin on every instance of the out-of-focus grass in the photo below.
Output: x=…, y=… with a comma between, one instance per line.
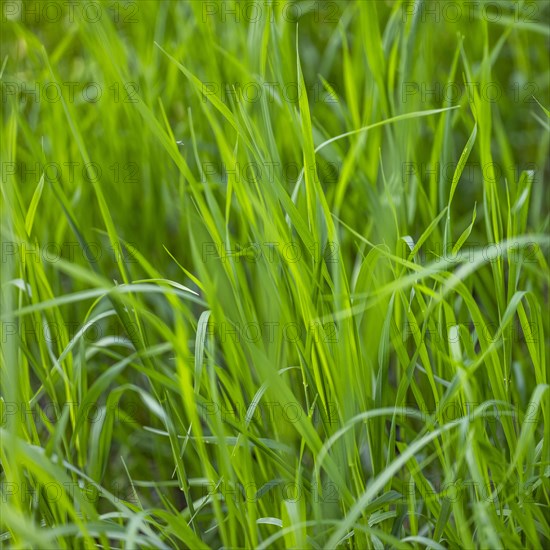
x=274, y=274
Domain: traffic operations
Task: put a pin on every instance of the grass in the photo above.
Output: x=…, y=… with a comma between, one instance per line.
x=275, y=278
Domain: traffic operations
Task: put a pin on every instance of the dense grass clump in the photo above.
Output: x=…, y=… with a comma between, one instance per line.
x=275, y=274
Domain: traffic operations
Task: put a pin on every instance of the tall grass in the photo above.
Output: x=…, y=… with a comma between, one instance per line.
x=275, y=275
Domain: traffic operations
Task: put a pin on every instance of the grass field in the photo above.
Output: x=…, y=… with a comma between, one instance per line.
x=275, y=274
